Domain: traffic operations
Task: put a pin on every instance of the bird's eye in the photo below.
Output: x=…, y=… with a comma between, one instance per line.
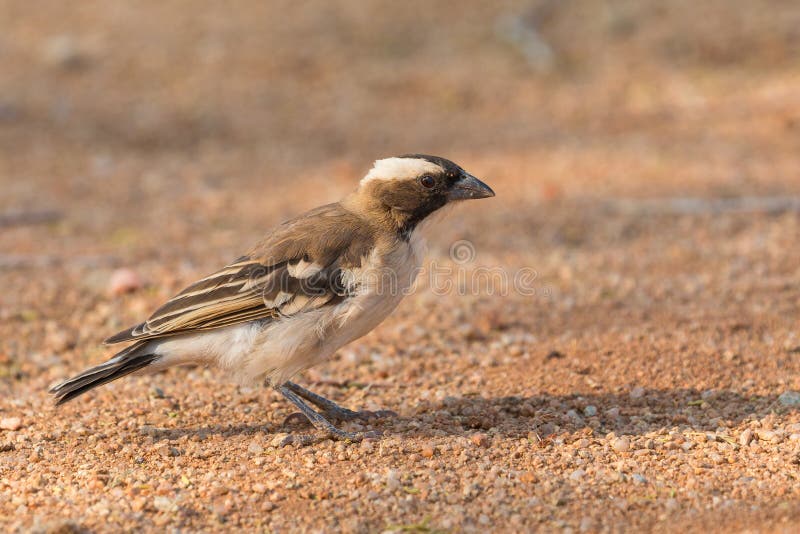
x=427, y=181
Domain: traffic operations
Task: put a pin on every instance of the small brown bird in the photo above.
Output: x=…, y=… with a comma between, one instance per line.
x=314, y=284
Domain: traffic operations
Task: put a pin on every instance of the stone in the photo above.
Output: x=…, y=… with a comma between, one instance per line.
x=789, y=398
x=124, y=281
x=746, y=437
x=621, y=445
x=10, y=423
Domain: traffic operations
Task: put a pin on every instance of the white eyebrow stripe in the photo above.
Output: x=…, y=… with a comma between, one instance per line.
x=400, y=169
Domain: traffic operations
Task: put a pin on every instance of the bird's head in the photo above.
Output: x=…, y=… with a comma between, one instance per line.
x=407, y=189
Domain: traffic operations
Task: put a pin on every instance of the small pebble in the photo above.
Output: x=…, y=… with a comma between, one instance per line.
x=164, y=504
x=767, y=435
x=577, y=474
x=124, y=281
x=590, y=411
x=621, y=445
x=268, y=506
x=789, y=398
x=63, y=51
x=10, y=423
x=392, y=480
x=480, y=439
x=59, y=341
x=745, y=437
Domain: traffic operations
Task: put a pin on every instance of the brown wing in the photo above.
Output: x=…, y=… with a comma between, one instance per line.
x=299, y=267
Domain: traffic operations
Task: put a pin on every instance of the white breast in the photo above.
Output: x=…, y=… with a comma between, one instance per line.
x=383, y=283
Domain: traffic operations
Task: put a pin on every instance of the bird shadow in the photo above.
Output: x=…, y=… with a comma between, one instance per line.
x=642, y=412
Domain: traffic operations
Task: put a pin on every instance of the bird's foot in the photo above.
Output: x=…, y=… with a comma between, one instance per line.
x=332, y=410
x=319, y=421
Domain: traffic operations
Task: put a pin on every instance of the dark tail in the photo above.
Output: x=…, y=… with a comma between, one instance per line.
x=123, y=363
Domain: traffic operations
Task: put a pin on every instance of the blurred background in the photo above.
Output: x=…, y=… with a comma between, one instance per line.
x=590, y=96
x=645, y=155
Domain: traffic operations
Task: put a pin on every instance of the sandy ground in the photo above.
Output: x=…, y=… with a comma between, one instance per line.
x=627, y=359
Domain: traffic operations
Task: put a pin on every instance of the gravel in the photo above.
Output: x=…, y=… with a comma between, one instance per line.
x=646, y=380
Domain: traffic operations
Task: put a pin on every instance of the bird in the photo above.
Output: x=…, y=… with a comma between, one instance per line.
x=314, y=284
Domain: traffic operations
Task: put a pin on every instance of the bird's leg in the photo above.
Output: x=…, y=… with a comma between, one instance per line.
x=333, y=410
x=328, y=407
x=317, y=419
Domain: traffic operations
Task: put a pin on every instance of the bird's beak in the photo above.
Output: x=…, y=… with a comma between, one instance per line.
x=468, y=187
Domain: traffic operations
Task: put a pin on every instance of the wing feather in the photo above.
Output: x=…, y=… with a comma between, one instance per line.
x=300, y=267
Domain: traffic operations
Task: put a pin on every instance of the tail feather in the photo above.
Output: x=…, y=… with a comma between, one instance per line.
x=124, y=363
